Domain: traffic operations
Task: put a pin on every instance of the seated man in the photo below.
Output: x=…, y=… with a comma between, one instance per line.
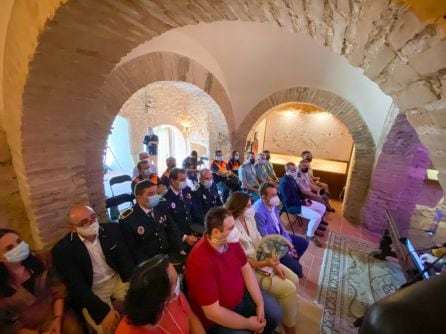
x=179, y=200
x=298, y=205
x=146, y=173
x=190, y=166
x=171, y=163
x=220, y=175
x=95, y=264
x=269, y=167
x=222, y=287
x=260, y=167
x=148, y=228
x=143, y=156
x=268, y=222
x=204, y=197
x=307, y=155
x=310, y=190
x=248, y=177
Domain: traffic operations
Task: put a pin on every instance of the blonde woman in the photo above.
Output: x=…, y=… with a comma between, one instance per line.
x=272, y=276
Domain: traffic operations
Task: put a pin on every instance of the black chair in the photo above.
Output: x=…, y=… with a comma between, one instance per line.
x=117, y=180
x=112, y=204
x=284, y=209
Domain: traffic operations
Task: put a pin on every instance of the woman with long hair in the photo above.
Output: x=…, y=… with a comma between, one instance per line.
x=154, y=303
x=31, y=298
x=234, y=163
x=273, y=277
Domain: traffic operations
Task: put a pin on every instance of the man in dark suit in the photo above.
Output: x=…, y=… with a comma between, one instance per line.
x=297, y=204
x=148, y=227
x=95, y=264
x=179, y=199
x=204, y=197
x=151, y=141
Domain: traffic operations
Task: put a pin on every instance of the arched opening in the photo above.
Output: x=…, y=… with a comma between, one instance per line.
x=182, y=115
x=288, y=129
x=405, y=59
x=363, y=153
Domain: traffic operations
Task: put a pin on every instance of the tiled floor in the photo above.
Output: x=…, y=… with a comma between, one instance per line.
x=312, y=259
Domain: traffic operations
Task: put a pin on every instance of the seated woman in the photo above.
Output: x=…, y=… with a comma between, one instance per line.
x=31, y=299
x=234, y=163
x=154, y=302
x=272, y=276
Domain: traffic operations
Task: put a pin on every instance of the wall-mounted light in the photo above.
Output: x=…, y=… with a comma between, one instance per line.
x=322, y=116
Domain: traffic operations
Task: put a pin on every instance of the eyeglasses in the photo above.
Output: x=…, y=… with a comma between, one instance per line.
x=87, y=221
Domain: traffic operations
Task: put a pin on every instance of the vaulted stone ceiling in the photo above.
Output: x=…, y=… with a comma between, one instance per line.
x=54, y=71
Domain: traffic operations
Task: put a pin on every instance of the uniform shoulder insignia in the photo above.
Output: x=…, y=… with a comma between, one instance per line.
x=127, y=212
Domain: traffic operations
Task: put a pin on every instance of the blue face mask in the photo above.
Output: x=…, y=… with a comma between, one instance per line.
x=153, y=201
x=150, y=132
x=207, y=183
x=18, y=254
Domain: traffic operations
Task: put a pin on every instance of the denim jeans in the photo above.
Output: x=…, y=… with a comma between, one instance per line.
x=247, y=308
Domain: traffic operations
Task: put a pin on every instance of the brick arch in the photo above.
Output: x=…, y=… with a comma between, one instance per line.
x=84, y=40
x=139, y=72
x=364, y=152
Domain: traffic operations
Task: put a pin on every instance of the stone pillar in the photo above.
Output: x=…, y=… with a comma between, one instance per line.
x=398, y=176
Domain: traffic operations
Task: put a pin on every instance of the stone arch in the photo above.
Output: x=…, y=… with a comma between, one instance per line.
x=85, y=40
x=364, y=149
x=129, y=77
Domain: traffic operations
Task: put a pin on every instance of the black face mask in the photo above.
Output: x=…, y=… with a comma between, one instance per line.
x=252, y=161
x=304, y=170
x=309, y=159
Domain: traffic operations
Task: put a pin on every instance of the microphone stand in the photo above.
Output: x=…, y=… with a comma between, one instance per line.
x=420, y=274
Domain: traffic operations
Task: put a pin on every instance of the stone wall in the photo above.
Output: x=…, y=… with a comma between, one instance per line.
x=49, y=102
x=319, y=132
x=12, y=211
x=398, y=177
x=176, y=103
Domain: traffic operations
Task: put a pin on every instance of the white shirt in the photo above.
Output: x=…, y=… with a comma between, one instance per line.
x=101, y=270
x=249, y=240
x=177, y=192
x=147, y=211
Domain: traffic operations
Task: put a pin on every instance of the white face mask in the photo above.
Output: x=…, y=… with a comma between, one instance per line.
x=292, y=174
x=183, y=185
x=207, y=183
x=18, y=254
x=89, y=230
x=234, y=236
x=275, y=201
x=249, y=213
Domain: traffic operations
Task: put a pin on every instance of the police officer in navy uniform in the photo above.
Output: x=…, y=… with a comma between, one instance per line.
x=204, y=197
x=179, y=200
x=148, y=227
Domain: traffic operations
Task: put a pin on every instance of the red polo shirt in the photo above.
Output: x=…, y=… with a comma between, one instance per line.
x=213, y=276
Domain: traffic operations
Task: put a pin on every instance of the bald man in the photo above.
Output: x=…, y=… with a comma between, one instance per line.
x=95, y=264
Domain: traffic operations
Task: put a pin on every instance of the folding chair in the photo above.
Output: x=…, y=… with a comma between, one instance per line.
x=284, y=209
x=117, y=180
x=112, y=203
